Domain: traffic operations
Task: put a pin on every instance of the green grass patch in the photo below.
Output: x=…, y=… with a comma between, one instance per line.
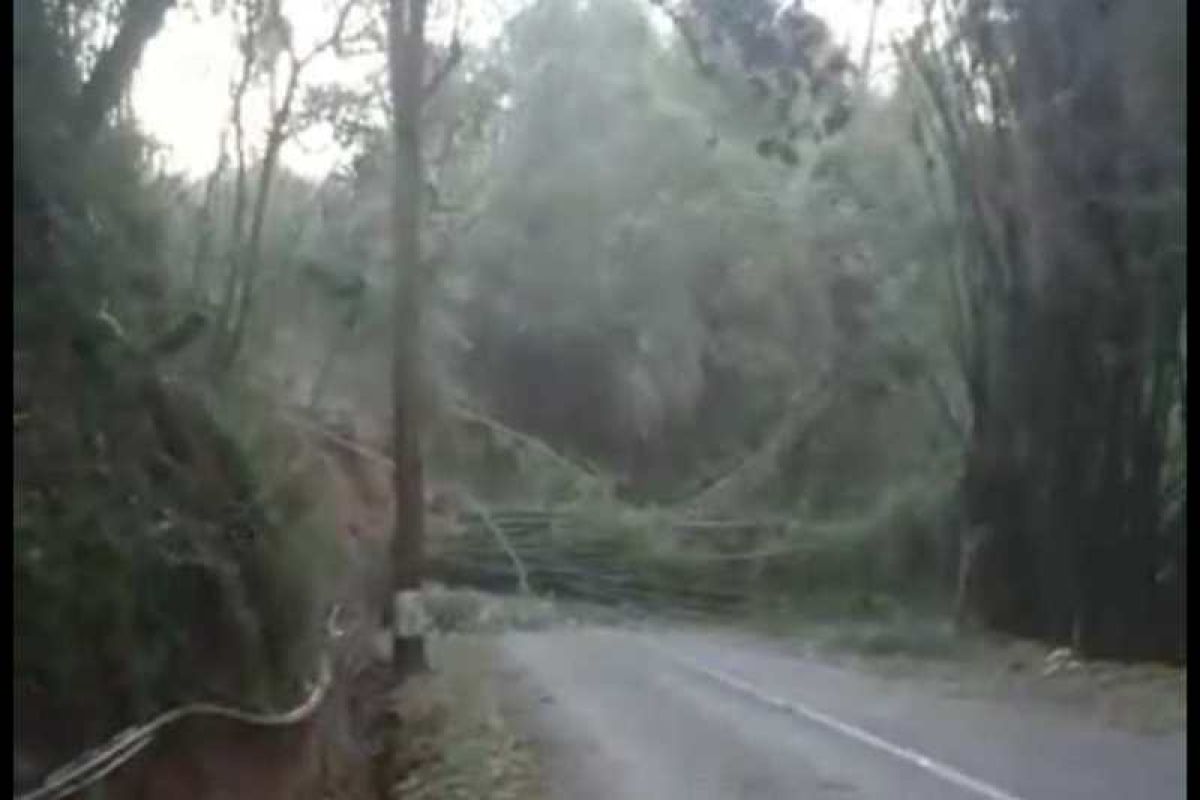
x=451, y=738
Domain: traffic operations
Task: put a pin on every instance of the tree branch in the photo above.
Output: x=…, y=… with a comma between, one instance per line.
x=684, y=29
x=333, y=41
x=467, y=414
x=482, y=512
x=452, y=60
x=803, y=411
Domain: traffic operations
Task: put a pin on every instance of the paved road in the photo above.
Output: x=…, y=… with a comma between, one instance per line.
x=686, y=716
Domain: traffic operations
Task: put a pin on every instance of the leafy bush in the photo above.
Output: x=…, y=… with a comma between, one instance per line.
x=160, y=555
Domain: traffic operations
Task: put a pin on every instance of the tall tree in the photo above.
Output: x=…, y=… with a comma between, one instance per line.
x=407, y=56
x=266, y=38
x=1071, y=213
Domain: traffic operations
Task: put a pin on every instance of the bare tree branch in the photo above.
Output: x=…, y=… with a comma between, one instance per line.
x=482, y=512
x=684, y=28
x=803, y=412
x=333, y=41
x=452, y=60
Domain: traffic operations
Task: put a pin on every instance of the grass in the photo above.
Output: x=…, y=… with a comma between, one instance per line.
x=906, y=644
x=453, y=739
x=461, y=610
x=917, y=639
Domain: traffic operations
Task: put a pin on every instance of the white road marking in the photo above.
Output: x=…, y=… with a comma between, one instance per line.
x=943, y=771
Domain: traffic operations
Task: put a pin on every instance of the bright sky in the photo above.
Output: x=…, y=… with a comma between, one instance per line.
x=181, y=92
x=850, y=21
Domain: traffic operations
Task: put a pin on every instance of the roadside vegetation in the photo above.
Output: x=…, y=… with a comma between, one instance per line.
x=165, y=546
x=617, y=309
x=454, y=738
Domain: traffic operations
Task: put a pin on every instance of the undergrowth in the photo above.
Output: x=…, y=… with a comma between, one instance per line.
x=450, y=737
x=163, y=551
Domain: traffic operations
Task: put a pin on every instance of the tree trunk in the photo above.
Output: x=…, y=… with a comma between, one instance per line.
x=406, y=54
x=235, y=256
x=252, y=253
x=115, y=66
x=1067, y=446
x=204, y=226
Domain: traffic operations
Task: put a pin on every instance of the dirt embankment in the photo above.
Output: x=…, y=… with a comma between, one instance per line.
x=440, y=736
x=219, y=758
x=331, y=754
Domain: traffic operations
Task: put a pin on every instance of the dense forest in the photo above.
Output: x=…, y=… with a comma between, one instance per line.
x=679, y=303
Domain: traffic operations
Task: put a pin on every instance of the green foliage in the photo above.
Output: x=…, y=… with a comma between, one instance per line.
x=626, y=267
x=296, y=560
x=140, y=525
x=1067, y=450
x=647, y=295
x=159, y=556
x=915, y=638
x=794, y=81
x=643, y=244
x=645, y=298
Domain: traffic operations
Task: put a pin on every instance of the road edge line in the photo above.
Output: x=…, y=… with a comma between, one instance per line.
x=931, y=765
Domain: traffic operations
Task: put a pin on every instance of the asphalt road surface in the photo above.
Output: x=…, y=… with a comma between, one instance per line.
x=695, y=716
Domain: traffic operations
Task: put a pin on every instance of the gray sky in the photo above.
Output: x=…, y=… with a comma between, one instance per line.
x=181, y=91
